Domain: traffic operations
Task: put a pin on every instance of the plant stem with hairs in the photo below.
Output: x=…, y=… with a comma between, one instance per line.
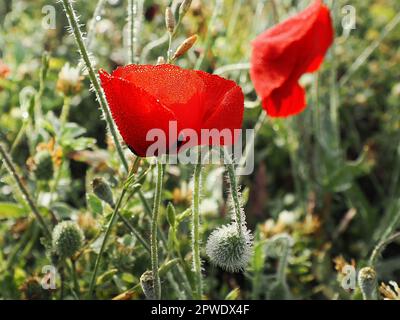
x=13, y=172
x=113, y=219
x=134, y=21
x=75, y=28
x=196, y=227
x=153, y=238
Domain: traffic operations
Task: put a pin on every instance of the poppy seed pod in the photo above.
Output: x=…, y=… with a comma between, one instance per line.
x=43, y=166
x=228, y=249
x=368, y=283
x=67, y=239
x=146, y=282
x=103, y=191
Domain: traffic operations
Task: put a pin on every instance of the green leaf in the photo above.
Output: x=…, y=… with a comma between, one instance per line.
x=233, y=295
x=10, y=210
x=95, y=205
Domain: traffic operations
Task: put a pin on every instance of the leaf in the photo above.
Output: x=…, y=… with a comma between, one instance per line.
x=233, y=295
x=95, y=205
x=10, y=210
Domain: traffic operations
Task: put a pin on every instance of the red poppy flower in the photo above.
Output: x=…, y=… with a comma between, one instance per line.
x=283, y=53
x=146, y=97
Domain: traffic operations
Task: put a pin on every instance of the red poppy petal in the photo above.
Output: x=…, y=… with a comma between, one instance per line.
x=285, y=101
x=174, y=87
x=275, y=52
x=224, y=103
x=321, y=38
x=135, y=112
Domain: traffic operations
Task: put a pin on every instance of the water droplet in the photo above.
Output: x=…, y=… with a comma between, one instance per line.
x=98, y=18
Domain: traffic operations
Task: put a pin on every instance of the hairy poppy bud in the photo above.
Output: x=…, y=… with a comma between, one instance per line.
x=169, y=20
x=67, y=239
x=228, y=249
x=103, y=191
x=184, y=47
x=43, y=166
x=146, y=282
x=367, y=282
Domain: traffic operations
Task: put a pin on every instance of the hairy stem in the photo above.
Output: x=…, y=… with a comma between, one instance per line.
x=196, y=228
x=153, y=238
x=238, y=215
x=13, y=172
x=73, y=22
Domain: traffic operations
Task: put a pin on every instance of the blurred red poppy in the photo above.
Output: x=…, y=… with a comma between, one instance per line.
x=283, y=53
x=146, y=97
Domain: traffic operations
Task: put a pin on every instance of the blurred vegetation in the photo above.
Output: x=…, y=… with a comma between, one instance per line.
x=328, y=180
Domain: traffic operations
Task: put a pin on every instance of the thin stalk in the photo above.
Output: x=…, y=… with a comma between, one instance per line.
x=74, y=277
x=153, y=238
x=135, y=232
x=334, y=96
x=75, y=28
x=207, y=43
x=196, y=228
x=92, y=24
x=132, y=15
x=370, y=49
x=103, y=244
x=65, y=111
x=13, y=172
x=283, y=261
x=107, y=233
x=380, y=247
x=250, y=146
x=232, y=67
x=152, y=45
x=169, y=52
x=237, y=206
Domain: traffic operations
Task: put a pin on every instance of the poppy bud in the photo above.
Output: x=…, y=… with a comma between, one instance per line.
x=169, y=20
x=228, y=249
x=67, y=239
x=367, y=282
x=103, y=191
x=146, y=282
x=184, y=47
x=184, y=7
x=43, y=166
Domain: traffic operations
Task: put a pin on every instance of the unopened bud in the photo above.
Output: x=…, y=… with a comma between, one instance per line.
x=103, y=191
x=367, y=282
x=169, y=20
x=146, y=282
x=43, y=166
x=184, y=47
x=67, y=239
x=184, y=7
